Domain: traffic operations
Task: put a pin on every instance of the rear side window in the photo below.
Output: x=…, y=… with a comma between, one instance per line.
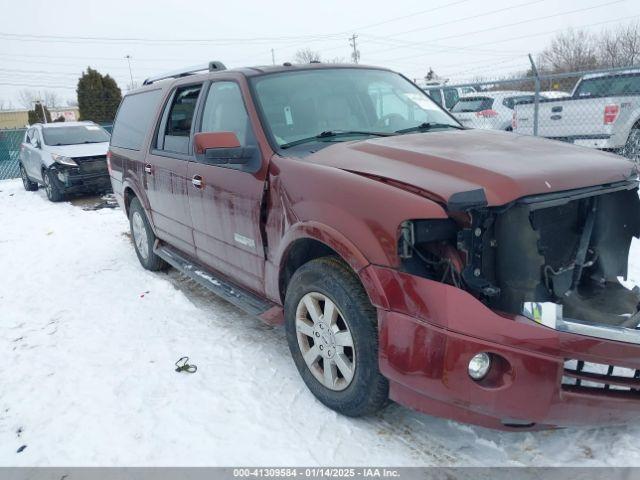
x=175, y=129
x=436, y=95
x=473, y=104
x=134, y=117
x=609, y=86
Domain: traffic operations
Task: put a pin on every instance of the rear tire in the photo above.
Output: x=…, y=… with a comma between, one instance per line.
x=326, y=306
x=143, y=237
x=27, y=183
x=54, y=194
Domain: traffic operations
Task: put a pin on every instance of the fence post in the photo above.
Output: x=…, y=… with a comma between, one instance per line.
x=536, y=98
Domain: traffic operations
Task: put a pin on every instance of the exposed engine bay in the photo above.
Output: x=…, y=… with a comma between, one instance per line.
x=568, y=249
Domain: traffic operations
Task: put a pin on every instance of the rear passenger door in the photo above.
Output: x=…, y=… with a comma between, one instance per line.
x=167, y=166
x=225, y=199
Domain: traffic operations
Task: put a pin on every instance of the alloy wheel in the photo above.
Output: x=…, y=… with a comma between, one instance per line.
x=140, y=235
x=47, y=185
x=325, y=341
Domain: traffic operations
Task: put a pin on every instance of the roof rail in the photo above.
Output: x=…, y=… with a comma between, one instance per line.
x=213, y=66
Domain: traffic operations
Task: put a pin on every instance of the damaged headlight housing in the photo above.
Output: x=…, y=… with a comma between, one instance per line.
x=62, y=160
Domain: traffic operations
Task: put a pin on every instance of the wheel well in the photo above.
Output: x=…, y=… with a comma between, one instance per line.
x=301, y=252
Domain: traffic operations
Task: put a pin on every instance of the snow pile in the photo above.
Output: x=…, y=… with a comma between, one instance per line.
x=89, y=340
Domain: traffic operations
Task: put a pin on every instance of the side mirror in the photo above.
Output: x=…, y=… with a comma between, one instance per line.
x=221, y=148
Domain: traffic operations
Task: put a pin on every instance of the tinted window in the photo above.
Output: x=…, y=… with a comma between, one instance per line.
x=511, y=102
x=473, y=104
x=608, y=86
x=74, y=135
x=177, y=119
x=436, y=96
x=224, y=111
x=451, y=96
x=133, y=119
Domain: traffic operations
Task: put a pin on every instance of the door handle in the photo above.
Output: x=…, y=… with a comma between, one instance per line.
x=147, y=168
x=197, y=181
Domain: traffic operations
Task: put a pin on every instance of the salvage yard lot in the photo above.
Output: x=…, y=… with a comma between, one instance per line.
x=89, y=340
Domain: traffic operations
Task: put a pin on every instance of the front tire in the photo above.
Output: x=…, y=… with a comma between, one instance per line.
x=143, y=238
x=54, y=194
x=332, y=332
x=28, y=185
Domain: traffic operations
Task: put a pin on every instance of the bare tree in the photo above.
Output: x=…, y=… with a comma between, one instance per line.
x=28, y=98
x=336, y=60
x=306, y=55
x=570, y=51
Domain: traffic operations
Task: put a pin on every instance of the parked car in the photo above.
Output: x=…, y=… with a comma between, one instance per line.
x=469, y=274
x=447, y=96
x=603, y=112
x=65, y=157
x=489, y=110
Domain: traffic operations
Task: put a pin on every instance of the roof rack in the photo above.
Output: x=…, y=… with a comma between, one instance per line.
x=213, y=66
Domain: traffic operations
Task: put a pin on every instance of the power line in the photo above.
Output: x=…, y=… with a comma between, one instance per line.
x=545, y=17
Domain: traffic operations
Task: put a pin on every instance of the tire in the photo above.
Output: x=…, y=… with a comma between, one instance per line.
x=53, y=191
x=319, y=284
x=27, y=183
x=143, y=237
x=631, y=150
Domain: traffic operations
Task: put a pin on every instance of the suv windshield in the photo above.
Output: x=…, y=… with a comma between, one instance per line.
x=304, y=104
x=608, y=86
x=73, y=135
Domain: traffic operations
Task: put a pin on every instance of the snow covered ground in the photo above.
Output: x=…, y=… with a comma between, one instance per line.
x=88, y=341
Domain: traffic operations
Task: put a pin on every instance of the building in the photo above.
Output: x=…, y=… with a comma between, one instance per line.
x=19, y=118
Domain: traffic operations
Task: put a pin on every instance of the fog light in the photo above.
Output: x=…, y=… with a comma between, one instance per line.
x=479, y=365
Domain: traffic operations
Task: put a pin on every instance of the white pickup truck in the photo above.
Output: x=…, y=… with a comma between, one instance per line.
x=603, y=112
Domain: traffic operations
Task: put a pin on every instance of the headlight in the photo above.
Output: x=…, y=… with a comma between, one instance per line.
x=479, y=365
x=61, y=159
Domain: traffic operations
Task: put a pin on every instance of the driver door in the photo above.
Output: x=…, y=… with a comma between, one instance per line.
x=225, y=199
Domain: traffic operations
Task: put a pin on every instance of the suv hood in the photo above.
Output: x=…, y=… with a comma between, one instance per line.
x=79, y=150
x=507, y=166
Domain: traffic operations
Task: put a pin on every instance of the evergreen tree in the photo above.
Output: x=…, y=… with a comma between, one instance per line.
x=98, y=96
x=36, y=116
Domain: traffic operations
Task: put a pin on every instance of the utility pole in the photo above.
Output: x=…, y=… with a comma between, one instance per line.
x=128, y=57
x=273, y=57
x=355, y=56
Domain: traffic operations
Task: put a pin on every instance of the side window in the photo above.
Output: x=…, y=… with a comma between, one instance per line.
x=35, y=137
x=224, y=111
x=437, y=96
x=28, y=136
x=133, y=119
x=175, y=130
x=451, y=97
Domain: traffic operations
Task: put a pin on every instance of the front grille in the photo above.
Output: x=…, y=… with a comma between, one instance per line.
x=599, y=378
x=92, y=165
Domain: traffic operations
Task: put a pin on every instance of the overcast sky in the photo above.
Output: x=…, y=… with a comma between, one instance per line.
x=46, y=44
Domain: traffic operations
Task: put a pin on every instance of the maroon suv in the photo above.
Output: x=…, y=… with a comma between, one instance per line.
x=469, y=274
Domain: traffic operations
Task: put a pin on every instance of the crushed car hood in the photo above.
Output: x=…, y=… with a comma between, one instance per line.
x=79, y=150
x=507, y=166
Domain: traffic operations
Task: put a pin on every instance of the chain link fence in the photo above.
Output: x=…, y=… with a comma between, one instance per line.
x=10, y=140
x=597, y=109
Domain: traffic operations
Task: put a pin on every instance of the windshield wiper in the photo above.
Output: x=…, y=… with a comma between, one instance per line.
x=334, y=134
x=423, y=127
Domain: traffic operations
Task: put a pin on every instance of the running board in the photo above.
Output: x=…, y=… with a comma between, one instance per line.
x=241, y=298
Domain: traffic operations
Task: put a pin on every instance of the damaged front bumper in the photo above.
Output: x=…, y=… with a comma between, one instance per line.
x=90, y=175
x=540, y=377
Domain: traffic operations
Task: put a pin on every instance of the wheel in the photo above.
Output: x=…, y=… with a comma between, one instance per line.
x=54, y=193
x=143, y=238
x=631, y=150
x=332, y=334
x=29, y=186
